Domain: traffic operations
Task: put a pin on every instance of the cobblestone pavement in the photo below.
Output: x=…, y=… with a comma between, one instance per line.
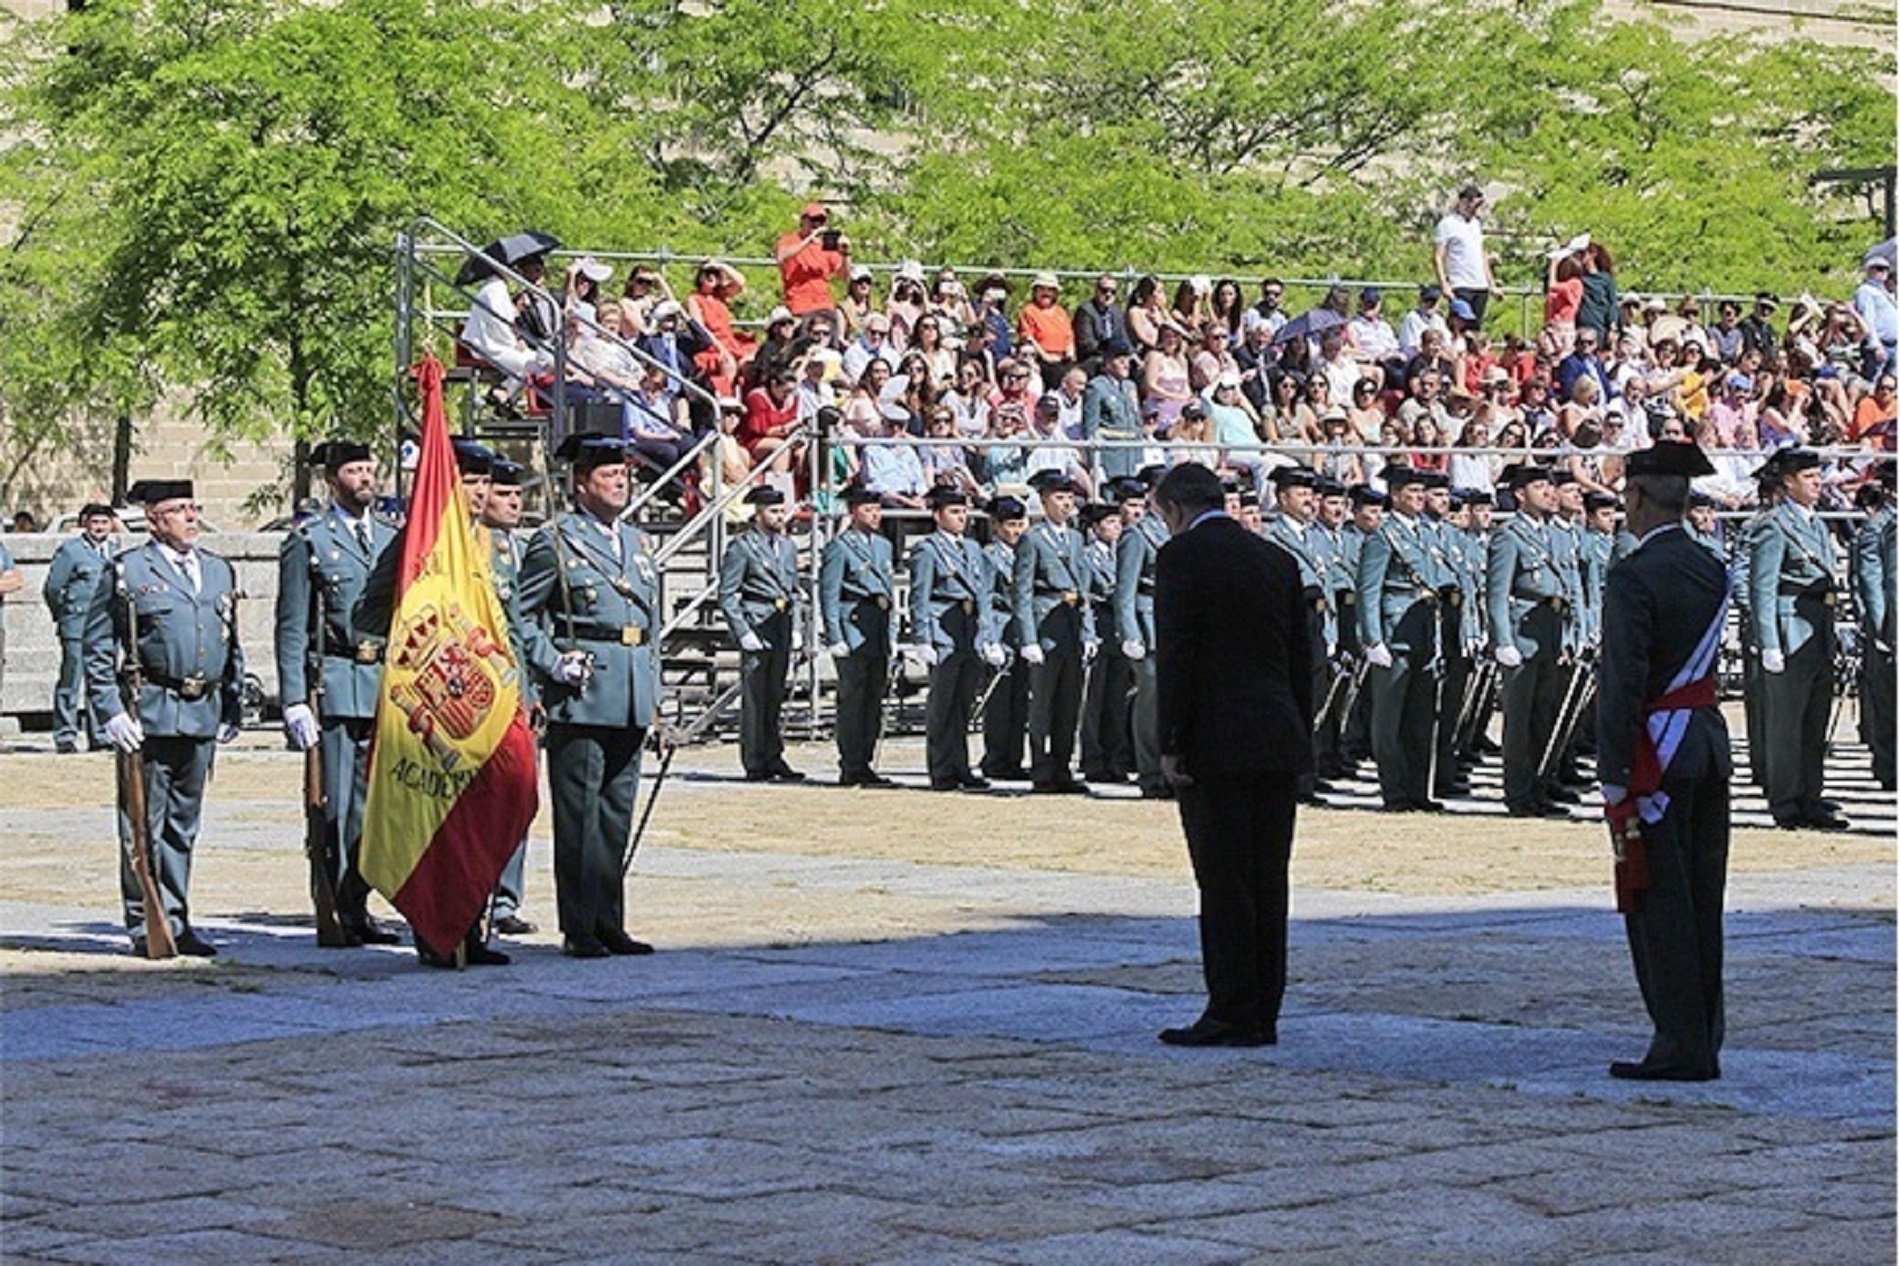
x=872, y=1058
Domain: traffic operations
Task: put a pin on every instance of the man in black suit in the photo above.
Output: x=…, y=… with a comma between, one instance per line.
x=1234, y=655
x=1663, y=760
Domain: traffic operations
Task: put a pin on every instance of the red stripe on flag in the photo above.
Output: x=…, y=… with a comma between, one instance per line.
x=450, y=886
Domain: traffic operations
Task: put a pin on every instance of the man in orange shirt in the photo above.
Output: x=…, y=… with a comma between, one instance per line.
x=1045, y=330
x=1873, y=416
x=808, y=259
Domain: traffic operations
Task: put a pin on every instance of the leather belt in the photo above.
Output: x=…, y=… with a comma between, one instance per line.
x=367, y=651
x=1822, y=590
x=623, y=634
x=196, y=686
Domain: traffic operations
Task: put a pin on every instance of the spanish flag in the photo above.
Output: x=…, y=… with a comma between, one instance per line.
x=452, y=769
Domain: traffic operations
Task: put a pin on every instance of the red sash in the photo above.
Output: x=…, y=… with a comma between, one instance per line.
x=1646, y=775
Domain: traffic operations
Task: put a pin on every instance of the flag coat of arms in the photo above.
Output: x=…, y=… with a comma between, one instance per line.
x=452, y=769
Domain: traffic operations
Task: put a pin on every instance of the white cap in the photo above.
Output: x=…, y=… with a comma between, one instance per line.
x=667, y=308
x=592, y=269
x=1045, y=280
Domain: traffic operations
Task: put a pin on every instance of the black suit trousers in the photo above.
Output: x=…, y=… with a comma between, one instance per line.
x=1240, y=839
x=1676, y=938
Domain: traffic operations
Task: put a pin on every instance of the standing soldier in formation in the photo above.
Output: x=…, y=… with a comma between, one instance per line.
x=1006, y=714
x=1335, y=507
x=77, y=565
x=1528, y=607
x=1105, y=694
x=166, y=676
x=1699, y=522
x=1057, y=630
x=1111, y=411
x=1481, y=698
x=1135, y=628
x=1663, y=763
x=758, y=594
x=325, y=660
x=857, y=589
x=587, y=579
x=501, y=514
x=950, y=625
x=1873, y=572
x=1444, y=545
x=1754, y=706
x=1399, y=626
x=1792, y=600
x=1369, y=505
x=1291, y=528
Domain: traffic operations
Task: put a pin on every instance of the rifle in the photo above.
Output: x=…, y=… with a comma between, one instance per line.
x=130, y=767
x=316, y=834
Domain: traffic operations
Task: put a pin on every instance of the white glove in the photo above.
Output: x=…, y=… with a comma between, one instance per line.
x=1613, y=794
x=227, y=733
x=300, y=726
x=838, y=650
x=751, y=641
x=1378, y=656
x=1089, y=651
x=1133, y=649
x=125, y=733
x=994, y=655
x=1032, y=653
x=798, y=638
x=1509, y=656
x=571, y=669
x=925, y=655
x=1773, y=661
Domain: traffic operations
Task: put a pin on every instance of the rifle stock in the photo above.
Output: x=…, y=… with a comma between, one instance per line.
x=130, y=767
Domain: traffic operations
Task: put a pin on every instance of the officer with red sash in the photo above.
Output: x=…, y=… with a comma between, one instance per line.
x=1663, y=760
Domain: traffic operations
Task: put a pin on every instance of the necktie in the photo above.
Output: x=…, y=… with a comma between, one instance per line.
x=188, y=563
x=362, y=534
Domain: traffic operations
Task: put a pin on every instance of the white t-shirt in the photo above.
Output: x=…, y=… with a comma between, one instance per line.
x=1463, y=243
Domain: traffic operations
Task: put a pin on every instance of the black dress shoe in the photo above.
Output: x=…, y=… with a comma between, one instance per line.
x=513, y=925
x=785, y=773
x=758, y=775
x=1006, y=775
x=1824, y=820
x=1429, y=806
x=618, y=942
x=1625, y=1071
x=1452, y=790
x=66, y=747
x=368, y=933
x=1163, y=792
x=430, y=958
x=946, y=784
x=583, y=947
x=1073, y=787
x=192, y=945
x=1791, y=823
x=480, y=955
x=1397, y=806
x=1216, y=1033
x=973, y=782
x=1562, y=795
x=1535, y=809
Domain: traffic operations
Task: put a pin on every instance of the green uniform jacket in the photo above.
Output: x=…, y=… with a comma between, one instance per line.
x=758, y=579
x=1050, y=573
x=1311, y=548
x=1099, y=558
x=190, y=664
x=534, y=653
x=1471, y=554
x=1110, y=412
x=324, y=552
x=70, y=580
x=1520, y=573
x=1135, y=580
x=1395, y=571
x=1873, y=568
x=857, y=590
x=585, y=599
x=1000, y=584
x=1566, y=549
x=1598, y=549
x=947, y=571
x=1791, y=550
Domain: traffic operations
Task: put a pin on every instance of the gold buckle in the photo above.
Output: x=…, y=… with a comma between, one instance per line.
x=969, y=606
x=368, y=652
x=1455, y=597
x=632, y=635
x=883, y=603
x=779, y=604
x=1071, y=597
x=193, y=687
x=1828, y=598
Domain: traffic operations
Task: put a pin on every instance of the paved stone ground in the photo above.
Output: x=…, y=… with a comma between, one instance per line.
x=869, y=1058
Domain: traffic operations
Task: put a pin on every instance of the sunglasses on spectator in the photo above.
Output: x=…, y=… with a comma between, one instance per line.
x=1015, y=375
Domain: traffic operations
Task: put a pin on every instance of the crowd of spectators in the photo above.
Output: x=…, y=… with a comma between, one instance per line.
x=1025, y=381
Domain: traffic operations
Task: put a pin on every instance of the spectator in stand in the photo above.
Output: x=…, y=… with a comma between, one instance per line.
x=946, y=465
x=1494, y=400
x=1192, y=439
x=1464, y=269
x=1474, y=470
x=1584, y=405
x=1689, y=310
x=653, y=422
x=1480, y=359
x=970, y=400
x=1725, y=336
x=777, y=348
x=1873, y=423
x=1425, y=401
x=872, y=343
x=1730, y=421
x=1212, y=358
x=1461, y=320
x=1258, y=367
x=1427, y=434
x=1563, y=297
x=1068, y=396
x=675, y=342
x=1421, y=318
x=857, y=302
x=1599, y=307
x=1392, y=435
x=489, y=332
x=1099, y=321
x=991, y=333
x=771, y=415
x=1372, y=336
x=927, y=343
x=1316, y=398
x=1166, y=378
x=1337, y=365
x=1338, y=440
x=861, y=407
x=715, y=286
x=1004, y=464
x=599, y=363
x=1533, y=405
x=1227, y=306
x=581, y=292
x=1015, y=386
x=1584, y=362
x=808, y=258
x=906, y=303
x=1365, y=414
x=1147, y=315
x=1193, y=302
x=817, y=382
x=910, y=386
x=1627, y=415
x=734, y=463
x=1236, y=428
x=819, y=329
x=1758, y=330
x=1593, y=469
x=1781, y=421
x=646, y=288
x=1050, y=453
x=1267, y=311
x=1433, y=356
x=956, y=316
x=1044, y=329
x=1874, y=305
x=890, y=466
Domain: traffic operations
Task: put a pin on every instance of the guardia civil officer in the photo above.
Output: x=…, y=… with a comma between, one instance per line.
x=1111, y=410
x=587, y=578
x=1006, y=714
x=1398, y=623
x=166, y=615
x=1527, y=604
x=758, y=595
x=1767, y=478
x=1057, y=630
x=1699, y=523
x=500, y=516
x=1792, y=600
x=1135, y=554
x=1663, y=764
x=1105, y=692
x=1444, y=545
x=323, y=567
x=1291, y=528
x=1354, y=707
x=857, y=593
x=74, y=573
x=1329, y=521
x=1873, y=571
x=950, y=626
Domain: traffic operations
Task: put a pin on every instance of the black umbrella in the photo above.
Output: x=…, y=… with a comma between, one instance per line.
x=1310, y=324
x=510, y=250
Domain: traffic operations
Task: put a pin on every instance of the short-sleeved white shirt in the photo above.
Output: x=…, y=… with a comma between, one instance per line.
x=1463, y=243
